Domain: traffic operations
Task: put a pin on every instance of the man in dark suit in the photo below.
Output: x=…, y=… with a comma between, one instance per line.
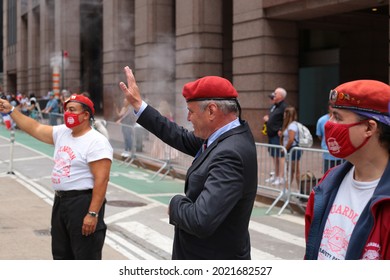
x=211, y=220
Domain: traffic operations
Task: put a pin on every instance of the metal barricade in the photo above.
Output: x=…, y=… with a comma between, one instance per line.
x=266, y=154
x=299, y=176
x=147, y=147
x=127, y=141
x=51, y=118
x=304, y=170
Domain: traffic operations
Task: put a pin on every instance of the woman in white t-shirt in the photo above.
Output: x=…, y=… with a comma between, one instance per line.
x=289, y=139
x=82, y=163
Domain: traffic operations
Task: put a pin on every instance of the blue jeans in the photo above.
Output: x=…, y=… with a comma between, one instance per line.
x=274, y=152
x=127, y=137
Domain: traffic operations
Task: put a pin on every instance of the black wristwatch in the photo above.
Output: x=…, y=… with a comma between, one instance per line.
x=93, y=214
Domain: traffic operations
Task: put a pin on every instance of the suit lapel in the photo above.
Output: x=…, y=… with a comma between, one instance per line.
x=203, y=157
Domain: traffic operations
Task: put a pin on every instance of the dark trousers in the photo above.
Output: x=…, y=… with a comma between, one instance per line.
x=66, y=222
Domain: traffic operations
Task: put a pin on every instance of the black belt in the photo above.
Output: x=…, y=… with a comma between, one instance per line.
x=72, y=193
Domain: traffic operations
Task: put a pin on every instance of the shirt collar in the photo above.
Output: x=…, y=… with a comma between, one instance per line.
x=222, y=130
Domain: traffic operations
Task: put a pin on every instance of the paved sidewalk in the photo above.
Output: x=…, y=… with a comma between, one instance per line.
x=25, y=224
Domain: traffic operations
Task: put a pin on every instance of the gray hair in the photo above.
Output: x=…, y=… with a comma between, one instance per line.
x=226, y=106
x=282, y=91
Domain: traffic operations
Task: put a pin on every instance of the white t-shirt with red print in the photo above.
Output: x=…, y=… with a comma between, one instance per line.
x=350, y=201
x=72, y=155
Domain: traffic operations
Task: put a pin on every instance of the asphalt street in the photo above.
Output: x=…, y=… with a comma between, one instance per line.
x=138, y=227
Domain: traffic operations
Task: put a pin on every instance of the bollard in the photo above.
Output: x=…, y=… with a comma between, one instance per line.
x=11, y=157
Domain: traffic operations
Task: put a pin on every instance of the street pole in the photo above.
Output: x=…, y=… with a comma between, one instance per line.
x=11, y=157
x=62, y=69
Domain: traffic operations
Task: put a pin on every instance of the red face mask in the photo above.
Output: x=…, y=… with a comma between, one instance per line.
x=72, y=119
x=338, y=140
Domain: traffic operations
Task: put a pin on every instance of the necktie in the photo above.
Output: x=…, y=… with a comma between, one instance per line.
x=201, y=150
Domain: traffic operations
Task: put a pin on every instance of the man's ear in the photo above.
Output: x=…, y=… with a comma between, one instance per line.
x=212, y=109
x=88, y=115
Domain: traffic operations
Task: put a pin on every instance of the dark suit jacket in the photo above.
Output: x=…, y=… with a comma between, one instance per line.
x=211, y=220
x=275, y=120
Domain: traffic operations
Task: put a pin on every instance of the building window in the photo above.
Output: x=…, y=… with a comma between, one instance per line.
x=11, y=22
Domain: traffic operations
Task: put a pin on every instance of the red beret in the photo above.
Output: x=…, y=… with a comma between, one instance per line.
x=209, y=87
x=80, y=99
x=366, y=97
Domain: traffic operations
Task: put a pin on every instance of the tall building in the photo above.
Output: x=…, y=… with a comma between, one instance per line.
x=305, y=46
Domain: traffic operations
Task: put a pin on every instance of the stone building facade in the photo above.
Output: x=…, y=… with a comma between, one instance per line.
x=305, y=46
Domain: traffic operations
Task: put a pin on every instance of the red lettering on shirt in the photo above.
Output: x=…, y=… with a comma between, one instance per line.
x=345, y=211
x=68, y=150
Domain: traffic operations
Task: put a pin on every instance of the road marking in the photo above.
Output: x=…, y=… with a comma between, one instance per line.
x=121, y=215
x=4, y=145
x=145, y=197
x=290, y=218
x=161, y=194
x=261, y=255
x=41, y=178
x=123, y=246
x=26, y=158
x=28, y=148
x=9, y=144
x=256, y=254
x=35, y=188
x=149, y=235
x=133, y=175
x=277, y=233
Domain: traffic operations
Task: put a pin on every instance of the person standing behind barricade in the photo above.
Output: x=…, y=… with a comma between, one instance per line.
x=274, y=122
x=289, y=139
x=5, y=118
x=24, y=103
x=329, y=161
x=65, y=94
x=32, y=108
x=348, y=213
x=160, y=150
x=82, y=162
x=126, y=119
x=52, y=109
x=14, y=102
x=211, y=218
